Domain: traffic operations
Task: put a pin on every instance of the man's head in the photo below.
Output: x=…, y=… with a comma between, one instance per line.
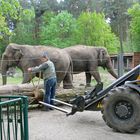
x=45, y=56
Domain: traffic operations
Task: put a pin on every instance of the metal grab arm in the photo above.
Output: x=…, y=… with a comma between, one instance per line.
x=55, y=107
x=78, y=105
x=70, y=105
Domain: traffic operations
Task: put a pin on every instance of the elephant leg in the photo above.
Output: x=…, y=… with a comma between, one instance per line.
x=67, y=82
x=88, y=79
x=96, y=75
x=58, y=82
x=60, y=76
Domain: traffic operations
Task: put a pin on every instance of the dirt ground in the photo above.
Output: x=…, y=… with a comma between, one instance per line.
x=79, y=83
x=87, y=125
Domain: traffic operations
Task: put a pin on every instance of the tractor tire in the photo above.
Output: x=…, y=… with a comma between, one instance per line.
x=121, y=109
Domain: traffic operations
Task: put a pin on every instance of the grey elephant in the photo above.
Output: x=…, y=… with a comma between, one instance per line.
x=25, y=56
x=87, y=59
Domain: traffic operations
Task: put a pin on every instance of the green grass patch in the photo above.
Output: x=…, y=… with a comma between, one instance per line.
x=14, y=80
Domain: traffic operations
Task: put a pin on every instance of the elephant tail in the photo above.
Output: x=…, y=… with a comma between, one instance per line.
x=67, y=82
x=71, y=67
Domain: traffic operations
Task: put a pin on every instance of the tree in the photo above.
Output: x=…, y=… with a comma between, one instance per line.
x=116, y=11
x=135, y=26
x=40, y=7
x=59, y=31
x=10, y=10
x=9, y=16
x=3, y=27
x=75, y=7
x=24, y=32
x=93, y=30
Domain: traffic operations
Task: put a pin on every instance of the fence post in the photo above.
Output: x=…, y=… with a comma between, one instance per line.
x=25, y=112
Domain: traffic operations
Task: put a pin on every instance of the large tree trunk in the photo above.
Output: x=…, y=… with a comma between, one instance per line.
x=36, y=93
x=20, y=89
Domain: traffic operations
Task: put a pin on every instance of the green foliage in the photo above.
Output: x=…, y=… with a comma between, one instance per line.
x=4, y=31
x=116, y=11
x=3, y=27
x=9, y=15
x=76, y=7
x=127, y=47
x=46, y=18
x=93, y=30
x=24, y=32
x=135, y=26
x=9, y=10
x=59, y=31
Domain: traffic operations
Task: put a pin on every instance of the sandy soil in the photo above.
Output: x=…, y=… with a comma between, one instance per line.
x=87, y=125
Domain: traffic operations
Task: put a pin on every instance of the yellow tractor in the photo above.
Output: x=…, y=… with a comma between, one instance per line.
x=119, y=102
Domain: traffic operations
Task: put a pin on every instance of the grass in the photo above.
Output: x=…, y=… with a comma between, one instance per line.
x=16, y=79
x=12, y=80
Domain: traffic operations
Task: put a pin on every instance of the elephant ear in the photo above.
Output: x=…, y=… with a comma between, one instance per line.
x=102, y=53
x=17, y=52
x=4, y=56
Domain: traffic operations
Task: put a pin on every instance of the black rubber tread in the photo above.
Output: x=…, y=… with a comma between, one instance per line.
x=111, y=119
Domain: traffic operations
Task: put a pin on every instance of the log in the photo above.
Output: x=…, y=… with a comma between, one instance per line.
x=18, y=89
x=36, y=93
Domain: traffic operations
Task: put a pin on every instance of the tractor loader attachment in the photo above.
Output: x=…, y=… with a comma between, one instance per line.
x=76, y=104
x=55, y=107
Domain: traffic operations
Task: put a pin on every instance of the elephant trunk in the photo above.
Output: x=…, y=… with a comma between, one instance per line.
x=4, y=79
x=4, y=68
x=110, y=69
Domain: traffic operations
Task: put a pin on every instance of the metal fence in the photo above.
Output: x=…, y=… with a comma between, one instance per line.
x=13, y=118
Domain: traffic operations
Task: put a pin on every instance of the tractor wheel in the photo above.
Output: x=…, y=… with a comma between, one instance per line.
x=121, y=109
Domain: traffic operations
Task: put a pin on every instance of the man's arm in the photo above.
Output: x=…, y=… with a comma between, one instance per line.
x=38, y=68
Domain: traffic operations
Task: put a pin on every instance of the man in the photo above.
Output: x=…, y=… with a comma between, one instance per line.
x=49, y=76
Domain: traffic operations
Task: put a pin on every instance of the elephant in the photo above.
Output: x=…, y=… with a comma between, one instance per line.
x=25, y=56
x=87, y=59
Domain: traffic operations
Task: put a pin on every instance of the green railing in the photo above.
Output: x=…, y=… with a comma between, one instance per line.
x=13, y=118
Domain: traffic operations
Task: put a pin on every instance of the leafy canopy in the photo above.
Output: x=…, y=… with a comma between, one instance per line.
x=59, y=31
x=9, y=16
x=93, y=30
x=135, y=26
x=9, y=12
x=24, y=32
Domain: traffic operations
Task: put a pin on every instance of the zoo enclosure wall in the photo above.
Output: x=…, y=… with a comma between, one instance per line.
x=131, y=60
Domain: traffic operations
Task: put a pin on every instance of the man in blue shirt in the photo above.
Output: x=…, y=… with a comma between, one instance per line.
x=49, y=76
